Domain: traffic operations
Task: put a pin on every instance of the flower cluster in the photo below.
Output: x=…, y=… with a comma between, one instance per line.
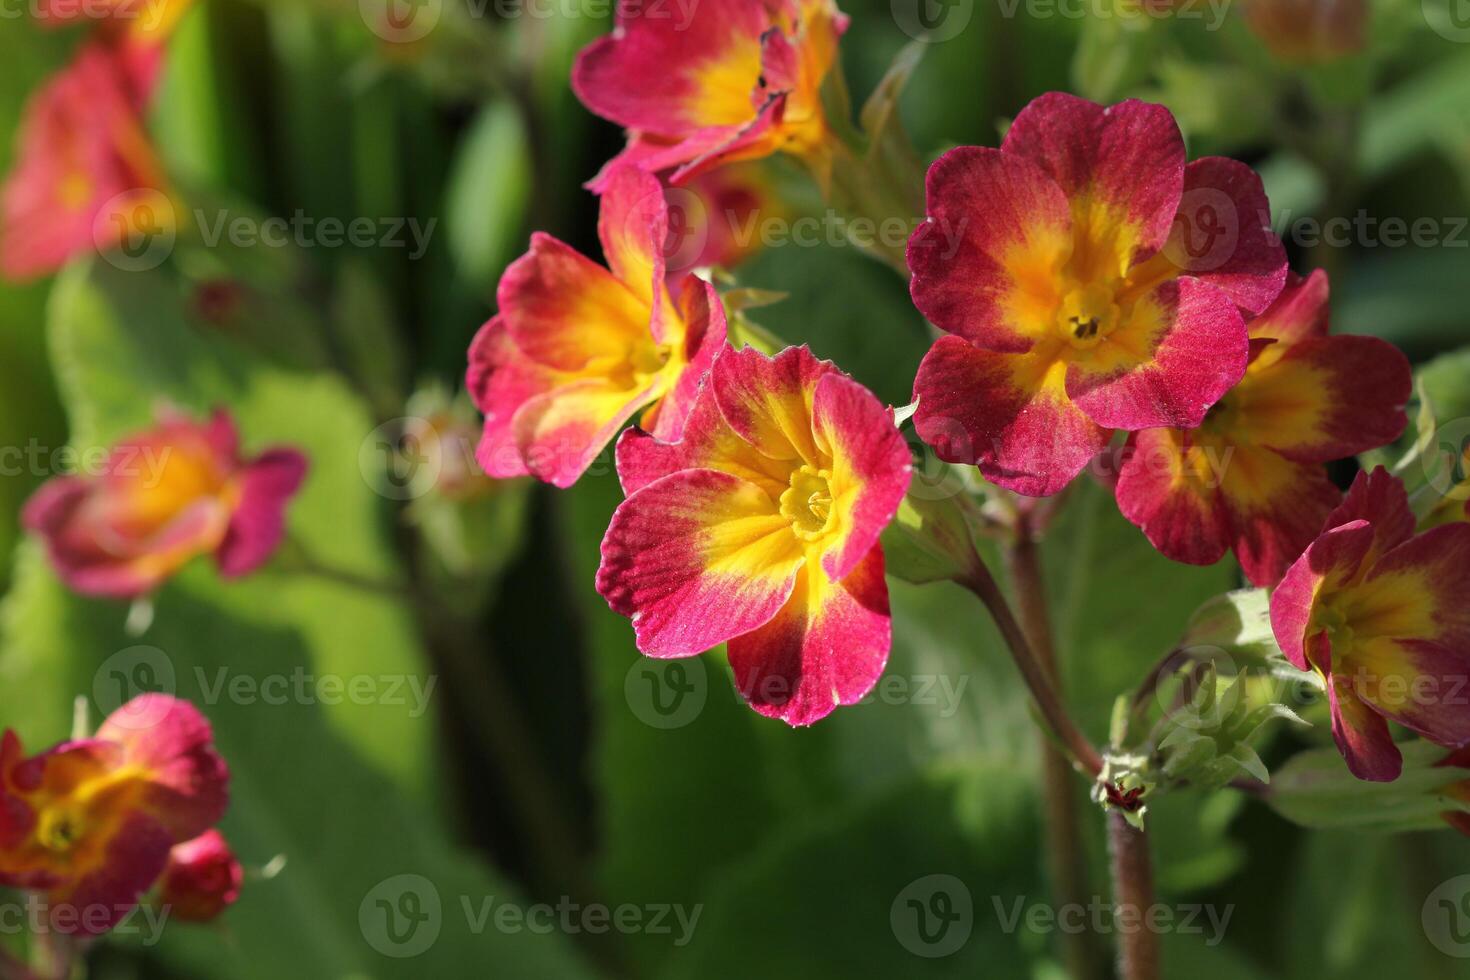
x=164, y=497
x=95, y=823
x=1091, y=281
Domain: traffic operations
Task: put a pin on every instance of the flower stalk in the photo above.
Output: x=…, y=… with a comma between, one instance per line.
x=1068, y=863
x=1133, y=896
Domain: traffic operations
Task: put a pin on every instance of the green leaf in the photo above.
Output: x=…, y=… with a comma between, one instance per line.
x=487, y=194
x=1237, y=622
x=878, y=879
x=1315, y=789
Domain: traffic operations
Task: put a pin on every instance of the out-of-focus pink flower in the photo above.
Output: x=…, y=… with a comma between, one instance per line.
x=86, y=177
x=202, y=879
x=717, y=219
x=165, y=496
x=91, y=823
x=1309, y=31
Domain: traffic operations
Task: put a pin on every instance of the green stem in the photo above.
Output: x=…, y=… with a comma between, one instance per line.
x=1067, y=861
x=1133, y=896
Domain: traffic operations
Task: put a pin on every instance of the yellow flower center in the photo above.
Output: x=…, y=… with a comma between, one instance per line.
x=1087, y=314
x=807, y=502
x=60, y=826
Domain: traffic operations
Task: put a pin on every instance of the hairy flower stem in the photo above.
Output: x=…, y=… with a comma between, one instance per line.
x=1133, y=896
x=1084, y=756
x=1067, y=862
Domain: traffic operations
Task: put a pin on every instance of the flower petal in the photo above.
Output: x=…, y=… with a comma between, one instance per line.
x=1222, y=234
x=565, y=311
x=103, y=895
x=1325, y=398
x=1277, y=508
x=708, y=443
x=187, y=787
x=560, y=432
x=826, y=647
x=500, y=379
x=633, y=224
x=1299, y=312
x=985, y=261
x=1420, y=684
x=1378, y=497
x=1170, y=487
x=673, y=73
x=696, y=558
x=705, y=329
x=768, y=400
x=267, y=485
x=1184, y=347
x=1361, y=734
x=871, y=467
x=1009, y=414
x=1121, y=167
x=1418, y=589
x=1332, y=560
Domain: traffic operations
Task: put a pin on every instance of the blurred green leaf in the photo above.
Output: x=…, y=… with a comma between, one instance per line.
x=920, y=881
x=488, y=194
x=1315, y=789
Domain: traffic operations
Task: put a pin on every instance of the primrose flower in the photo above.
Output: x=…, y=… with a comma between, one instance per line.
x=91, y=823
x=202, y=879
x=1089, y=281
x=163, y=497
x=1381, y=615
x=1251, y=476
x=577, y=349
x=86, y=176
x=725, y=80
x=760, y=528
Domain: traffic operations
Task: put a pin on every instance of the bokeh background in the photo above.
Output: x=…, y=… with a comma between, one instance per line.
x=547, y=763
